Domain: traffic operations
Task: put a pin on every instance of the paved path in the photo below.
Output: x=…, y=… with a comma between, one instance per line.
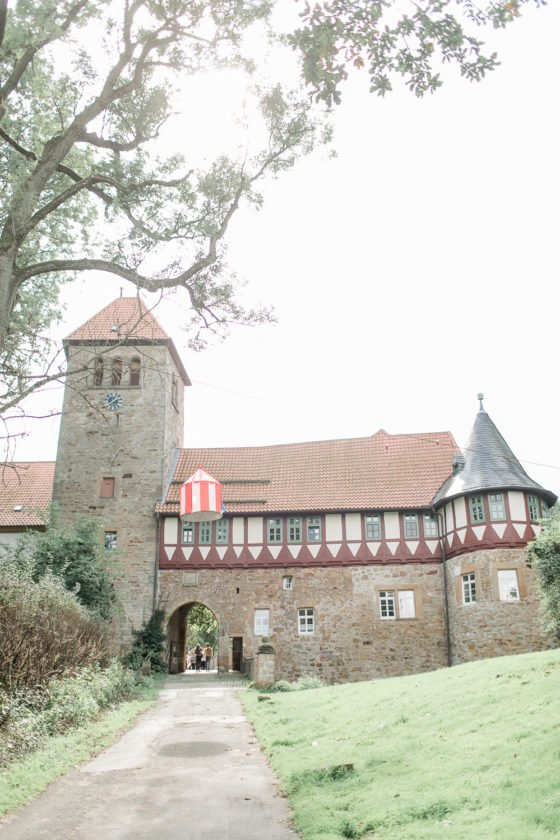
x=189, y=770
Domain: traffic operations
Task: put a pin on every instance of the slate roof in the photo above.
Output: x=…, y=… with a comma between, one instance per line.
x=125, y=321
x=29, y=485
x=379, y=472
x=489, y=465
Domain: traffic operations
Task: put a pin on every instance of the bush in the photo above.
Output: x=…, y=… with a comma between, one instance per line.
x=148, y=645
x=28, y=716
x=44, y=631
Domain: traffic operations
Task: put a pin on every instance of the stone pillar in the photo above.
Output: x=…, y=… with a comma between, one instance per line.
x=263, y=674
x=223, y=658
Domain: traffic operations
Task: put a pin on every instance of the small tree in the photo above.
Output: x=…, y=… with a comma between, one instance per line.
x=148, y=644
x=544, y=556
x=75, y=556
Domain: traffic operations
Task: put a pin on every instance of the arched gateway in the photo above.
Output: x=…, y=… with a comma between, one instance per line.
x=196, y=623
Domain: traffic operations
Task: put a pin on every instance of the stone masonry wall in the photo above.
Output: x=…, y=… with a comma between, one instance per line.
x=490, y=627
x=350, y=642
x=134, y=445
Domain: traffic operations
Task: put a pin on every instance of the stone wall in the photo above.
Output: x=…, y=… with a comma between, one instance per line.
x=350, y=642
x=490, y=627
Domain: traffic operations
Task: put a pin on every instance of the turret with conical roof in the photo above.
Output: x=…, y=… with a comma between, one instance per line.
x=488, y=464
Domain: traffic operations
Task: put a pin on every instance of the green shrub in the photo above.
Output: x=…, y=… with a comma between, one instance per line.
x=148, y=645
x=28, y=716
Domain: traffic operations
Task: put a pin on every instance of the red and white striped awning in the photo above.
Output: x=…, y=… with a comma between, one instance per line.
x=201, y=498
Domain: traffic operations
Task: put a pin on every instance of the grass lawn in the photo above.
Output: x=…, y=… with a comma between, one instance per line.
x=23, y=780
x=466, y=752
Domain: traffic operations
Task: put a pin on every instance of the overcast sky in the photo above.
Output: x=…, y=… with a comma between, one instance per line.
x=415, y=270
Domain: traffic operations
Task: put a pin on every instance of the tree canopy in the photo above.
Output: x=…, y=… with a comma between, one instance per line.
x=89, y=87
x=544, y=556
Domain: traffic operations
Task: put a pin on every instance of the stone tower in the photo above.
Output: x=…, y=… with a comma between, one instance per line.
x=122, y=422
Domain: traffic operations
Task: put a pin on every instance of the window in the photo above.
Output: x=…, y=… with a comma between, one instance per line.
x=430, y=525
x=98, y=372
x=306, y=621
x=287, y=582
x=410, y=525
x=108, y=487
x=469, y=588
x=262, y=622
x=313, y=529
x=373, y=526
x=174, y=391
x=222, y=531
x=545, y=510
x=407, y=608
x=134, y=378
x=116, y=372
x=476, y=506
x=507, y=585
x=274, y=531
x=533, y=503
x=388, y=601
x=110, y=541
x=205, y=533
x=294, y=529
x=496, y=506
x=187, y=535
x=387, y=604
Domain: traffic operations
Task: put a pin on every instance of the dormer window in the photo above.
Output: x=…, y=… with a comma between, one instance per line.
x=116, y=372
x=134, y=380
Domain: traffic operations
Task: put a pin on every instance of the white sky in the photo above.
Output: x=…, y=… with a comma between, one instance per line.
x=415, y=270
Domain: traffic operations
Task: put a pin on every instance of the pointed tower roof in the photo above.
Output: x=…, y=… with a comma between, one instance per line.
x=125, y=321
x=489, y=464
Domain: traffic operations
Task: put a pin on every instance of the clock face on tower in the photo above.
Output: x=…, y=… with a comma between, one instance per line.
x=113, y=401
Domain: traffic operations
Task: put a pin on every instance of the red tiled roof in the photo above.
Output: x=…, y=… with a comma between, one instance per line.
x=126, y=318
x=379, y=472
x=29, y=485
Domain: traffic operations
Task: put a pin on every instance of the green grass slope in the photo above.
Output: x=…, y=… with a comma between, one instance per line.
x=467, y=752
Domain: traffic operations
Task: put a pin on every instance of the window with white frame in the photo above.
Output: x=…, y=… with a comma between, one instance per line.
x=410, y=525
x=496, y=506
x=262, y=622
x=373, y=526
x=274, y=531
x=222, y=531
x=533, y=503
x=387, y=604
x=294, y=529
x=205, y=533
x=187, y=533
x=476, y=507
x=407, y=607
x=306, y=621
x=313, y=529
x=469, y=588
x=508, y=586
x=430, y=525
x=287, y=582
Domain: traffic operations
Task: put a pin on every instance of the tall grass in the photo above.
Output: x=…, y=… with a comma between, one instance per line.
x=468, y=752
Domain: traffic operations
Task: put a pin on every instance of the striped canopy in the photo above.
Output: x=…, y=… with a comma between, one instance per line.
x=201, y=498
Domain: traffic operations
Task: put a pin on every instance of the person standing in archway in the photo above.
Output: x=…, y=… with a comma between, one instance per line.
x=198, y=656
x=208, y=652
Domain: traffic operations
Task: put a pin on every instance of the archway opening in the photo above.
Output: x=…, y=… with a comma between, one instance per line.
x=193, y=637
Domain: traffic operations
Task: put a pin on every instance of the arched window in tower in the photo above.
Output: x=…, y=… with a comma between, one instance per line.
x=135, y=372
x=116, y=372
x=174, y=392
x=98, y=372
